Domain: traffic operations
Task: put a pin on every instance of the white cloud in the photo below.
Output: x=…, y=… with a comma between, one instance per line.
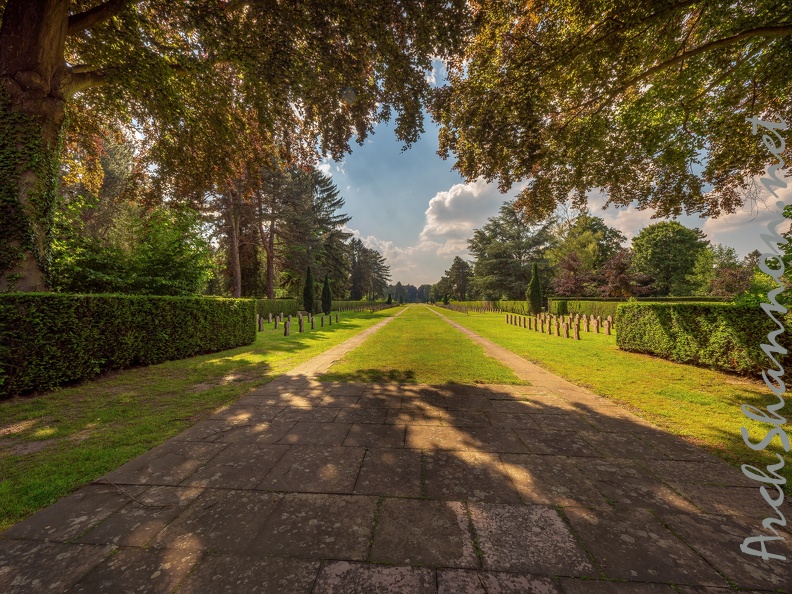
x=450, y=219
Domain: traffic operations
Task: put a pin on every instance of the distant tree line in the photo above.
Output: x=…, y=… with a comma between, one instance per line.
x=578, y=255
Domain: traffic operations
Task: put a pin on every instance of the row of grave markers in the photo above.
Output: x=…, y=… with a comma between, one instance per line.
x=287, y=321
x=547, y=323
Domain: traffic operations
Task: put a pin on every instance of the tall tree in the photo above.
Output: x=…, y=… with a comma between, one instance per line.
x=646, y=100
x=667, y=252
x=369, y=274
x=503, y=250
x=327, y=298
x=309, y=293
x=311, y=74
x=534, y=293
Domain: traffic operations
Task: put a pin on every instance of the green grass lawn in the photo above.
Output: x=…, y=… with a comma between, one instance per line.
x=418, y=347
x=53, y=443
x=701, y=405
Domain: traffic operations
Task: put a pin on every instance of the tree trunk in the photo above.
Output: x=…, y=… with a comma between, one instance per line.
x=232, y=220
x=268, y=241
x=33, y=75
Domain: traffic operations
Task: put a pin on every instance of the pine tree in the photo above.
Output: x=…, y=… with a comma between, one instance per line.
x=309, y=293
x=327, y=300
x=390, y=299
x=534, y=293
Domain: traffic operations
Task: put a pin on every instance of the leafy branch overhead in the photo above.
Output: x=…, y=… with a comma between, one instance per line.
x=216, y=89
x=644, y=100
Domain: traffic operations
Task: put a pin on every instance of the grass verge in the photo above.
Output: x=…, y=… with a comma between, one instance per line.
x=701, y=405
x=418, y=347
x=55, y=442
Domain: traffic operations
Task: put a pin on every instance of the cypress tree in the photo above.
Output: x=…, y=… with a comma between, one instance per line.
x=327, y=301
x=309, y=293
x=534, y=293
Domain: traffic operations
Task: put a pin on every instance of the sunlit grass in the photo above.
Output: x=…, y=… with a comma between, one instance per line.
x=84, y=431
x=419, y=347
x=699, y=404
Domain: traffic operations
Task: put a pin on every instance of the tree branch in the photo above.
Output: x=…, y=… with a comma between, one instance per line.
x=767, y=32
x=97, y=15
x=82, y=81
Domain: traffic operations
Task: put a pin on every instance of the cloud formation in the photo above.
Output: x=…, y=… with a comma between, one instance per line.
x=450, y=218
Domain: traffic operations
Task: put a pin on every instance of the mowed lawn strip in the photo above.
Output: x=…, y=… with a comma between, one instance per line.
x=699, y=404
x=418, y=347
x=53, y=443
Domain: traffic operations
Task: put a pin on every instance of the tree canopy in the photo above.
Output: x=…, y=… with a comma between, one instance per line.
x=645, y=100
x=211, y=85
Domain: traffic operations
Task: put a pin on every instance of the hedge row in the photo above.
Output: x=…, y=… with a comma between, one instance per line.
x=717, y=335
x=515, y=307
x=564, y=307
x=339, y=305
x=47, y=339
x=288, y=307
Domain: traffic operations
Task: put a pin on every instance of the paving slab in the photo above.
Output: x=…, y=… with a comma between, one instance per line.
x=718, y=538
x=375, y=436
x=563, y=443
x=343, y=577
x=158, y=571
x=266, y=432
x=468, y=476
x=551, y=480
x=634, y=545
x=220, y=520
x=239, y=466
x=32, y=566
x=390, y=472
x=423, y=532
x=573, y=586
x=167, y=464
x=309, y=526
x=230, y=574
x=315, y=469
x=358, y=414
x=461, y=581
x=141, y=519
x=312, y=433
x=530, y=539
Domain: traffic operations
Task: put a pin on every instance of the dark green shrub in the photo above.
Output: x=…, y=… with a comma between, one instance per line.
x=717, y=335
x=309, y=293
x=47, y=339
x=534, y=293
x=327, y=297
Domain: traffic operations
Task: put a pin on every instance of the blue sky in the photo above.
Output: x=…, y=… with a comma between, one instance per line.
x=418, y=213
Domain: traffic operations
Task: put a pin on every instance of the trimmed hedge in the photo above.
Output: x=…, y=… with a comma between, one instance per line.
x=47, y=339
x=515, y=307
x=288, y=307
x=716, y=335
x=339, y=305
x=596, y=306
x=589, y=308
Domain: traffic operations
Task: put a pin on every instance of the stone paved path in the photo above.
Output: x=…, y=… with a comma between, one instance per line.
x=319, y=488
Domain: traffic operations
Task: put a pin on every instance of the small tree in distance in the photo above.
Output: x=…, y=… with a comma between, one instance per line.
x=390, y=299
x=309, y=293
x=327, y=300
x=534, y=293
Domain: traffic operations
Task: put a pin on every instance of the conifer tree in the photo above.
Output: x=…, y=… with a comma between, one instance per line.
x=327, y=300
x=534, y=294
x=309, y=297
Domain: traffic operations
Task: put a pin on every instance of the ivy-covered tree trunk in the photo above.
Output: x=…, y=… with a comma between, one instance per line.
x=33, y=79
